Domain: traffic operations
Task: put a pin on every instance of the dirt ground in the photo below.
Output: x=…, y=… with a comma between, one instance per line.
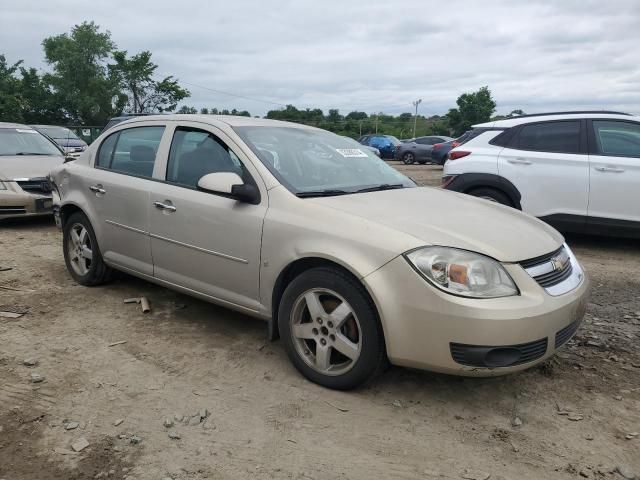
x=240, y=409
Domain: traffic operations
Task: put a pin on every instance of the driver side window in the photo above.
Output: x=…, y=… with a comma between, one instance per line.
x=195, y=153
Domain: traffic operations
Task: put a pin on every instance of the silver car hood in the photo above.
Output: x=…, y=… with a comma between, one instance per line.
x=28, y=166
x=439, y=217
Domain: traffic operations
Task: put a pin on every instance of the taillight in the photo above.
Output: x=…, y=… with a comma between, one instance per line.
x=455, y=144
x=437, y=146
x=455, y=154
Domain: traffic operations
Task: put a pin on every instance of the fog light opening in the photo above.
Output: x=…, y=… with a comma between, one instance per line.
x=502, y=357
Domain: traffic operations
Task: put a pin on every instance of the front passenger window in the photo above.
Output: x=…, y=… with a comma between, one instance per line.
x=195, y=153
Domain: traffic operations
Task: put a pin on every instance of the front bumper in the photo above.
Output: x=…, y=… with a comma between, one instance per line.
x=426, y=328
x=16, y=203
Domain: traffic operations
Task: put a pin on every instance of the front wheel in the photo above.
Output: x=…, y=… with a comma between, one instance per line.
x=330, y=329
x=408, y=158
x=492, y=195
x=81, y=253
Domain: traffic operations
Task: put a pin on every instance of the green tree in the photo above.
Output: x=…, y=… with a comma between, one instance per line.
x=144, y=93
x=86, y=90
x=187, y=109
x=10, y=98
x=475, y=107
x=39, y=103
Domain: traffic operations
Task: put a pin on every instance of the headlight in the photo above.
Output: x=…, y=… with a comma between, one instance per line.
x=463, y=273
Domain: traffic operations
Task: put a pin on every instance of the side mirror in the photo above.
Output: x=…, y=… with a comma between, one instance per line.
x=69, y=158
x=229, y=183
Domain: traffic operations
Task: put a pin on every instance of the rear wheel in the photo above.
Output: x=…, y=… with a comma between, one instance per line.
x=81, y=252
x=493, y=195
x=330, y=329
x=408, y=158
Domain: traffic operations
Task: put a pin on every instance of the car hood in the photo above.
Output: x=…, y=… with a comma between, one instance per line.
x=28, y=166
x=439, y=217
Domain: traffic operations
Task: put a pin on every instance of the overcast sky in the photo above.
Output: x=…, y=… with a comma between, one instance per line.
x=364, y=55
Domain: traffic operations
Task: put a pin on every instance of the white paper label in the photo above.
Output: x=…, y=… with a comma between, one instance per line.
x=23, y=130
x=351, y=152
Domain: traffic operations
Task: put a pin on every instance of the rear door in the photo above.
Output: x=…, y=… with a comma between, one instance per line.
x=118, y=191
x=614, y=172
x=548, y=164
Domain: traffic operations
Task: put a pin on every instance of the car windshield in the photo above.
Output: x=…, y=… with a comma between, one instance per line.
x=24, y=141
x=59, y=133
x=313, y=162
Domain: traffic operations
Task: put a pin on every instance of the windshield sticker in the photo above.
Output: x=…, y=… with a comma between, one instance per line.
x=22, y=130
x=351, y=152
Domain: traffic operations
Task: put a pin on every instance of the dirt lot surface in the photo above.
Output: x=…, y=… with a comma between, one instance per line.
x=237, y=408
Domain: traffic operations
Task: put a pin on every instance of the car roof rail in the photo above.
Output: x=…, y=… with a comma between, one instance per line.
x=571, y=112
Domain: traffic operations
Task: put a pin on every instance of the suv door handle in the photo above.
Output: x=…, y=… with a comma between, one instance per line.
x=164, y=206
x=97, y=189
x=610, y=169
x=519, y=161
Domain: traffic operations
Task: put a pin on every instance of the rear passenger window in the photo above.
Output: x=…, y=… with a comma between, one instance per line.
x=558, y=137
x=617, y=138
x=132, y=151
x=195, y=153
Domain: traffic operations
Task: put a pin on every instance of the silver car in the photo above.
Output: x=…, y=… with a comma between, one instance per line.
x=26, y=157
x=324, y=241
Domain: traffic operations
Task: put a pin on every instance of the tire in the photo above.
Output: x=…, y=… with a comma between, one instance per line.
x=492, y=195
x=345, y=320
x=408, y=158
x=85, y=265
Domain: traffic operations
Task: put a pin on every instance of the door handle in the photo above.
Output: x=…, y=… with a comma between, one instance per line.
x=610, y=169
x=519, y=161
x=97, y=189
x=164, y=206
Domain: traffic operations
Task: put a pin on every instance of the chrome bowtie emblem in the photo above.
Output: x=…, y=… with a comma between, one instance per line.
x=559, y=263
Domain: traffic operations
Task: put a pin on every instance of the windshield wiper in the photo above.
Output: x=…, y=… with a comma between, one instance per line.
x=32, y=153
x=322, y=193
x=383, y=186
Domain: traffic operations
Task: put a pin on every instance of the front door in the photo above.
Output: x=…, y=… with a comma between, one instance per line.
x=202, y=241
x=119, y=195
x=615, y=173
x=548, y=164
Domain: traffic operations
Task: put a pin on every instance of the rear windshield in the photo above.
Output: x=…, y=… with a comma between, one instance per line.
x=25, y=141
x=59, y=133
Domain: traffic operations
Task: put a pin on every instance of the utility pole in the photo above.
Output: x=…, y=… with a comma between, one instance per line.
x=376, y=123
x=415, y=118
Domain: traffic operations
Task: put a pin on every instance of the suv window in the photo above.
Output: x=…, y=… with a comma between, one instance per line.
x=132, y=151
x=617, y=138
x=559, y=137
x=195, y=153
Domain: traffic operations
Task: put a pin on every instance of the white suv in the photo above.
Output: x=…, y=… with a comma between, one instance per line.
x=579, y=171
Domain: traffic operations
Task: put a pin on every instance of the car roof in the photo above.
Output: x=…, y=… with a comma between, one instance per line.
x=544, y=117
x=44, y=126
x=14, y=125
x=231, y=120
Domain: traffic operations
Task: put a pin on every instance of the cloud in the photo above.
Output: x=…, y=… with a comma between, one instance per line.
x=537, y=56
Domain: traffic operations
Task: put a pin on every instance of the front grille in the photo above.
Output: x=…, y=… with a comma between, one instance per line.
x=485, y=356
x=548, y=270
x=564, y=335
x=12, y=210
x=35, y=185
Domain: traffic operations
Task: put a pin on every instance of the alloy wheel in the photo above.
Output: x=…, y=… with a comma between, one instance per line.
x=326, y=332
x=79, y=249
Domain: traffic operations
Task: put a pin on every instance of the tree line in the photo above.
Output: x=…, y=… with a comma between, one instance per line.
x=91, y=80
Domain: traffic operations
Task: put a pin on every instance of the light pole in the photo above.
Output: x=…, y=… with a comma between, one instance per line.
x=415, y=118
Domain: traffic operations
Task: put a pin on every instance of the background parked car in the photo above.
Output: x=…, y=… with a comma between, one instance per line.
x=26, y=158
x=70, y=143
x=386, y=144
x=418, y=149
x=373, y=150
x=578, y=171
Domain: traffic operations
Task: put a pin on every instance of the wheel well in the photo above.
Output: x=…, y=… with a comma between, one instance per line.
x=290, y=272
x=66, y=211
x=499, y=190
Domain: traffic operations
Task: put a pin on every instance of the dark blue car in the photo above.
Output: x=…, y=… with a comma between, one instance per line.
x=387, y=144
